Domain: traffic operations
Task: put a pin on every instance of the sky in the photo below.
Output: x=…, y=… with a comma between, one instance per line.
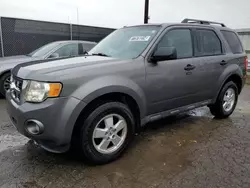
x=119, y=13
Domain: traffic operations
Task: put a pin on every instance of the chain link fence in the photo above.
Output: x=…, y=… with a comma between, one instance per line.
x=1, y=39
x=21, y=36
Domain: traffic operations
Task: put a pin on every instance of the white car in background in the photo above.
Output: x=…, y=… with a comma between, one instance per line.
x=58, y=49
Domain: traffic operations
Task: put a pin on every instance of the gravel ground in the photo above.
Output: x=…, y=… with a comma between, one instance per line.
x=191, y=150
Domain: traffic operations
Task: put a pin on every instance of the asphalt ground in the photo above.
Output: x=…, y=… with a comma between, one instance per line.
x=190, y=150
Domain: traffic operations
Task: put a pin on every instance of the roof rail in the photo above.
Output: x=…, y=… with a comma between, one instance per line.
x=187, y=20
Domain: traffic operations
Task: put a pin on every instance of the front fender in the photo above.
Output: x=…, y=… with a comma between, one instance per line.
x=229, y=71
x=111, y=84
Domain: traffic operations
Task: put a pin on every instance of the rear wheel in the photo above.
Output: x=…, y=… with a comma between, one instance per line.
x=226, y=101
x=106, y=133
x=4, y=83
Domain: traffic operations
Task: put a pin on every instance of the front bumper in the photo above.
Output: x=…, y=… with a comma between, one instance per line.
x=58, y=115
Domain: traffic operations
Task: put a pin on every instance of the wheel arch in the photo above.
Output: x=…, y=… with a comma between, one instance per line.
x=112, y=85
x=5, y=72
x=108, y=97
x=2, y=74
x=234, y=77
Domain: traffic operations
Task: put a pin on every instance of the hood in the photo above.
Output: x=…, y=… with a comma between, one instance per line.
x=15, y=60
x=51, y=69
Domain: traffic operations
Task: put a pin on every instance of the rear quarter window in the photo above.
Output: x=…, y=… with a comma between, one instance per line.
x=233, y=41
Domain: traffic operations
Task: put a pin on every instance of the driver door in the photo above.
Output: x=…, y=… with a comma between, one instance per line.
x=170, y=83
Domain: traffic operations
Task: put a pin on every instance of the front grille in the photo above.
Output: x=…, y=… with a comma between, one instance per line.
x=16, y=88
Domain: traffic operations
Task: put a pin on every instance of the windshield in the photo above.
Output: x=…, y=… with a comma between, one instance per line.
x=126, y=43
x=43, y=50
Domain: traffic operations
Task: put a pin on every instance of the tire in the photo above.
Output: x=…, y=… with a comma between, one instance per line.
x=217, y=109
x=90, y=146
x=3, y=78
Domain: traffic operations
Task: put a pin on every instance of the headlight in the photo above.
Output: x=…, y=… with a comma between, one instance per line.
x=39, y=91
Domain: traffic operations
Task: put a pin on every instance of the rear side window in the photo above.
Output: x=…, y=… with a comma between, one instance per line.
x=207, y=43
x=233, y=41
x=180, y=39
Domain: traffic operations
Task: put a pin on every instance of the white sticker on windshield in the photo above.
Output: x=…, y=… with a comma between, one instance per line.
x=139, y=38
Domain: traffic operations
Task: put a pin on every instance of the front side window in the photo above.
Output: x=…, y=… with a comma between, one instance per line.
x=68, y=50
x=42, y=51
x=207, y=43
x=180, y=39
x=126, y=43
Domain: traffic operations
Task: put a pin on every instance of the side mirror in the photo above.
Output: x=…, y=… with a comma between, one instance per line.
x=54, y=55
x=164, y=53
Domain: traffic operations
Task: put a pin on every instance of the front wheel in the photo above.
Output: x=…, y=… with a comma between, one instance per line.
x=106, y=133
x=4, y=83
x=226, y=101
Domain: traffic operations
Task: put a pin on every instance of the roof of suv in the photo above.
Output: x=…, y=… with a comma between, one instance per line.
x=193, y=22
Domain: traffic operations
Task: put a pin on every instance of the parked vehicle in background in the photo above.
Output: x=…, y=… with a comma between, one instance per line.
x=134, y=76
x=52, y=50
x=248, y=67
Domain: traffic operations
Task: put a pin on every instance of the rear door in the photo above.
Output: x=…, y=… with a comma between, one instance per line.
x=210, y=59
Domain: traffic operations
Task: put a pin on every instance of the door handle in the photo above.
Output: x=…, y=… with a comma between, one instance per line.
x=189, y=67
x=223, y=62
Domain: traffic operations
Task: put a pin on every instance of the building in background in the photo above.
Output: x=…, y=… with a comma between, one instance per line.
x=21, y=36
x=245, y=38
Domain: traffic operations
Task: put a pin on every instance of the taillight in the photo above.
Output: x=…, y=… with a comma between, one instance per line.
x=246, y=63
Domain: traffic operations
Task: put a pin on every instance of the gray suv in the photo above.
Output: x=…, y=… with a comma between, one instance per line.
x=136, y=75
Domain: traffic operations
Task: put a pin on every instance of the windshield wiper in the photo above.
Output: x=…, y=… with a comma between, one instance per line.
x=101, y=54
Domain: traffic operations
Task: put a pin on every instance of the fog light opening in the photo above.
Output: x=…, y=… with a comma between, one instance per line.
x=34, y=127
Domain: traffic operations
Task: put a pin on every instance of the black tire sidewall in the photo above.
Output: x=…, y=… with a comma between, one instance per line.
x=221, y=98
x=87, y=147
x=2, y=79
